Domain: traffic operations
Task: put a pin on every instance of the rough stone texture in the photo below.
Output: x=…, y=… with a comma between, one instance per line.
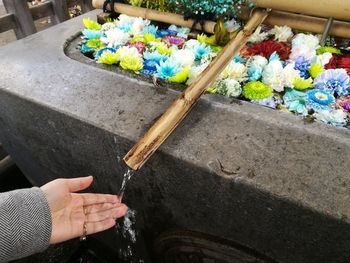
x=284, y=191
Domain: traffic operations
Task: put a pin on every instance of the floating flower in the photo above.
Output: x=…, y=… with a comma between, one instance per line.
x=290, y=74
x=255, y=66
x=344, y=103
x=85, y=49
x=344, y=62
x=266, y=48
x=236, y=71
x=201, y=50
x=163, y=48
x=150, y=29
x=192, y=44
x=165, y=32
x=95, y=44
x=180, y=77
x=302, y=84
x=92, y=34
x=174, y=40
x=195, y=71
x=184, y=57
x=232, y=25
x=331, y=50
x=203, y=38
x=258, y=36
x=272, y=75
x=336, y=118
x=268, y=102
x=140, y=46
x=115, y=37
x=323, y=59
x=295, y=101
x=108, y=58
x=319, y=99
x=334, y=81
x=151, y=65
x=91, y=24
x=127, y=52
x=303, y=66
x=282, y=33
x=138, y=26
x=107, y=26
x=302, y=51
x=148, y=37
x=102, y=50
x=181, y=31
x=309, y=41
x=125, y=27
x=155, y=56
x=167, y=69
x=228, y=87
x=256, y=90
x=315, y=70
x=132, y=63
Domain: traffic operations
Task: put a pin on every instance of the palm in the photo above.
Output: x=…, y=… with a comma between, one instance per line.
x=70, y=211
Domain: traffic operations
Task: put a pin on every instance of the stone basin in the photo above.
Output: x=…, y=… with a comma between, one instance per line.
x=248, y=182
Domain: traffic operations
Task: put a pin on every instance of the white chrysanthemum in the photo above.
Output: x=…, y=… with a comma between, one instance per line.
x=184, y=57
x=125, y=19
x=235, y=70
x=128, y=52
x=336, y=118
x=257, y=61
x=303, y=51
x=258, y=36
x=323, y=59
x=107, y=26
x=282, y=33
x=195, y=71
x=207, y=58
x=138, y=25
x=289, y=75
x=115, y=37
x=273, y=75
x=192, y=44
x=229, y=87
x=311, y=42
x=232, y=25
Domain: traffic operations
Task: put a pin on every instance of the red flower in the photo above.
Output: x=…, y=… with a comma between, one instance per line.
x=339, y=61
x=139, y=45
x=266, y=48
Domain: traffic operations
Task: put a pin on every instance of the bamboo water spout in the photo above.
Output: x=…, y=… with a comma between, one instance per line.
x=166, y=124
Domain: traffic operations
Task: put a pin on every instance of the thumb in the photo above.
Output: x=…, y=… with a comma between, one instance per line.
x=78, y=184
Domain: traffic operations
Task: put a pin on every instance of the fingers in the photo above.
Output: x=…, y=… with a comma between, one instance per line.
x=116, y=212
x=92, y=199
x=78, y=184
x=99, y=207
x=96, y=227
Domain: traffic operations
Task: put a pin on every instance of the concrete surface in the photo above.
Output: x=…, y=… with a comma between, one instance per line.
x=283, y=192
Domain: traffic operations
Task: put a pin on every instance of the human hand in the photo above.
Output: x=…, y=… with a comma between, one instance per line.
x=70, y=211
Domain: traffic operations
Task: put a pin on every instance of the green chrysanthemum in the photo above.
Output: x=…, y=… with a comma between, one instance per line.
x=180, y=77
x=332, y=50
x=91, y=24
x=132, y=63
x=95, y=44
x=315, y=70
x=148, y=37
x=256, y=90
x=162, y=48
x=108, y=58
x=302, y=84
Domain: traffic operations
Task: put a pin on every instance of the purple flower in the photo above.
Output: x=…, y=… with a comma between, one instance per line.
x=334, y=81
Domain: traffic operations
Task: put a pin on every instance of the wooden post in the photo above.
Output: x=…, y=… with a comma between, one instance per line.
x=23, y=18
x=86, y=5
x=60, y=9
x=166, y=124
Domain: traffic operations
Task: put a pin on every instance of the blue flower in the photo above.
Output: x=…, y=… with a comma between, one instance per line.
x=152, y=29
x=201, y=50
x=255, y=72
x=100, y=52
x=92, y=34
x=126, y=27
x=319, y=99
x=151, y=64
x=334, y=80
x=85, y=49
x=165, y=32
x=155, y=56
x=274, y=56
x=268, y=102
x=168, y=68
x=238, y=59
x=295, y=101
x=303, y=65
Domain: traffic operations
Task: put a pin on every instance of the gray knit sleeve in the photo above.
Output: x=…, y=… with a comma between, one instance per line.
x=25, y=223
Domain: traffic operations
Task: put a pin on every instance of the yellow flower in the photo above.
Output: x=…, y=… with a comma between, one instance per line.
x=180, y=77
x=108, y=58
x=91, y=24
x=137, y=39
x=132, y=63
x=315, y=70
x=162, y=48
x=203, y=38
x=148, y=37
x=212, y=89
x=302, y=84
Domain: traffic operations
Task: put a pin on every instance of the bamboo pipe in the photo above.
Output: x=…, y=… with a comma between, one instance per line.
x=165, y=125
x=338, y=9
x=155, y=15
x=304, y=23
